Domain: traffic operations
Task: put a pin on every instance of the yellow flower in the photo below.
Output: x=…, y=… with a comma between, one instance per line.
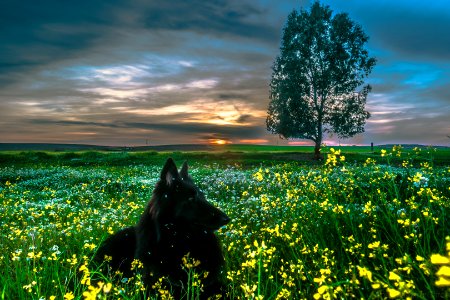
x=322, y=289
x=188, y=262
x=320, y=279
x=284, y=294
x=258, y=175
x=73, y=261
x=90, y=246
x=83, y=268
x=136, y=264
x=69, y=296
x=443, y=271
x=376, y=286
x=364, y=272
x=393, y=293
x=249, y=291
x=374, y=245
x=108, y=258
x=437, y=259
x=442, y=282
x=107, y=288
x=393, y=276
x=92, y=292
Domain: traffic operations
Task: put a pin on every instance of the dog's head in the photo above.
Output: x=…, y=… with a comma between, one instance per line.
x=178, y=200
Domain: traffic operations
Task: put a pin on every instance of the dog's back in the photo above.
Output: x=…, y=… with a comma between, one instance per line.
x=117, y=252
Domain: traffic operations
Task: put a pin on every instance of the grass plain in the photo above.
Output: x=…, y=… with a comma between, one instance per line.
x=359, y=224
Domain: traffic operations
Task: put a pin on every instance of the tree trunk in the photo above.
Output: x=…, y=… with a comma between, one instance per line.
x=318, y=140
x=317, y=154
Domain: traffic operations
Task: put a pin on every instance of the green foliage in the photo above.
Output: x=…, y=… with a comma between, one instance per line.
x=322, y=63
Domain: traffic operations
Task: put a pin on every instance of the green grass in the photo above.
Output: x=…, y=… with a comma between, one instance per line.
x=367, y=226
x=245, y=155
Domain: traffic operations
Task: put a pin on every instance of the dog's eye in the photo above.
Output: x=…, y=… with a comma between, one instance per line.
x=191, y=198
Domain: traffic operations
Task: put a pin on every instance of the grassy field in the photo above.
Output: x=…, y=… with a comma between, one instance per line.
x=359, y=224
x=243, y=155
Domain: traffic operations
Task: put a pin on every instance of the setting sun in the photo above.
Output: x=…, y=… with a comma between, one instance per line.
x=220, y=142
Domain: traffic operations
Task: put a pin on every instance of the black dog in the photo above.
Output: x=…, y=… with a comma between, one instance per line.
x=177, y=221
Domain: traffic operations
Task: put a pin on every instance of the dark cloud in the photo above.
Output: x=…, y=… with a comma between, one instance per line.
x=193, y=129
x=40, y=32
x=243, y=118
x=231, y=96
x=197, y=128
x=217, y=17
x=73, y=123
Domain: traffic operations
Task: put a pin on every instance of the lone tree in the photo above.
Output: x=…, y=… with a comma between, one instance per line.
x=317, y=80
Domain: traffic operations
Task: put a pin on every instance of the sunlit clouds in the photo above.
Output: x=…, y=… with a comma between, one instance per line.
x=207, y=111
x=126, y=92
x=119, y=75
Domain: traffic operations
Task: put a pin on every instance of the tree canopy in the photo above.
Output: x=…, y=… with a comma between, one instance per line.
x=317, y=83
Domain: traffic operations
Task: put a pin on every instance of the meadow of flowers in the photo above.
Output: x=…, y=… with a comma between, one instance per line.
x=341, y=230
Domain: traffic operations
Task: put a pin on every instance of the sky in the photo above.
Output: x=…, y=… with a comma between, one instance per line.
x=147, y=72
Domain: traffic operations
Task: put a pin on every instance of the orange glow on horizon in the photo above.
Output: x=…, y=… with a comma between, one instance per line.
x=300, y=143
x=219, y=142
x=255, y=141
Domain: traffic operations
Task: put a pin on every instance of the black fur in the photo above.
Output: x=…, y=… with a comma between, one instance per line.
x=178, y=220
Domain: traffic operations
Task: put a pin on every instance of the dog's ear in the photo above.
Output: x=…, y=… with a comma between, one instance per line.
x=184, y=171
x=169, y=172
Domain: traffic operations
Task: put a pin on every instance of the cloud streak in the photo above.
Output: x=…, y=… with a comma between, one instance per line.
x=193, y=131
